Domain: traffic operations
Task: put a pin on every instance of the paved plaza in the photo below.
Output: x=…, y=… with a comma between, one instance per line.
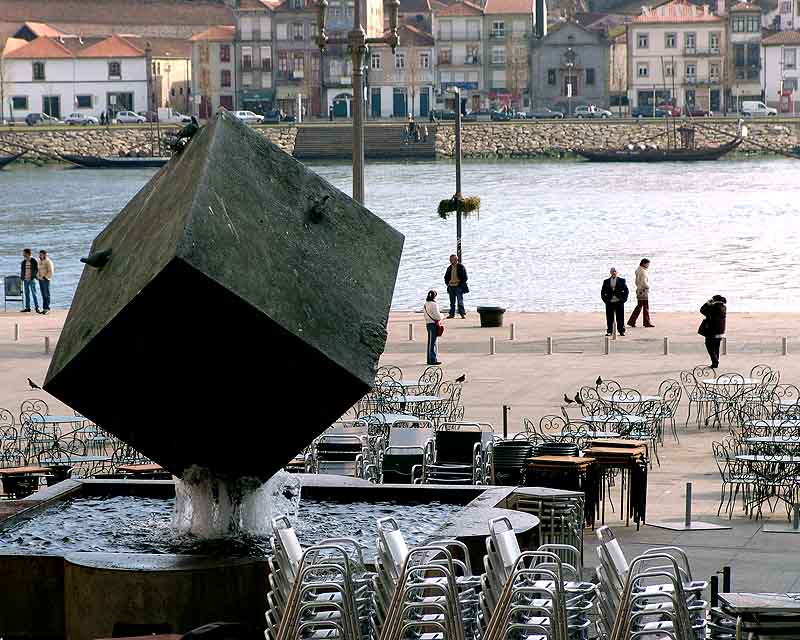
x=533, y=384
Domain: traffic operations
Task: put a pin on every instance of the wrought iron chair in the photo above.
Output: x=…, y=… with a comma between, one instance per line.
x=429, y=381
x=734, y=475
x=670, y=392
x=34, y=406
x=697, y=393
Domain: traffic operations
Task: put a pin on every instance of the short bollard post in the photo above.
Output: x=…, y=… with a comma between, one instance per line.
x=724, y=346
x=714, y=584
x=785, y=346
x=492, y=348
x=688, y=520
x=505, y=421
x=606, y=346
x=47, y=344
x=411, y=332
x=16, y=332
x=726, y=579
x=796, y=517
x=513, y=335
x=614, y=331
x=549, y=346
x=666, y=346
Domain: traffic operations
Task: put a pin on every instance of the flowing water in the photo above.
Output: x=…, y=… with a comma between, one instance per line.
x=546, y=235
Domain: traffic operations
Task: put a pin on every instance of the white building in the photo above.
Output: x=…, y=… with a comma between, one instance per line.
x=213, y=70
x=676, y=52
x=780, y=76
x=66, y=74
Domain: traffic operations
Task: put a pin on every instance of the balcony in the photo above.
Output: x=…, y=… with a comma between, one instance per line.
x=459, y=37
x=497, y=35
x=751, y=73
x=694, y=81
x=469, y=61
x=701, y=51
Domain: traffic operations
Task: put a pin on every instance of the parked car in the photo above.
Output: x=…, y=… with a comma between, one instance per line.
x=442, y=114
x=545, y=114
x=477, y=116
x=585, y=111
x=671, y=109
x=697, y=112
x=248, y=117
x=80, y=118
x=757, y=108
x=501, y=116
x=149, y=116
x=648, y=111
x=129, y=117
x=41, y=118
x=273, y=116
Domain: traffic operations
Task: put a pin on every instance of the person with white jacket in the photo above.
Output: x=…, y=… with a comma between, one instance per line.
x=642, y=295
x=432, y=321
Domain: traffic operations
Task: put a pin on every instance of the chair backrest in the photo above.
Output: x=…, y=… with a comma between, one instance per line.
x=759, y=371
x=406, y=435
x=456, y=446
x=627, y=401
x=703, y=372
x=505, y=541
x=35, y=406
x=607, y=387
x=610, y=544
x=394, y=542
x=430, y=380
x=12, y=288
x=389, y=371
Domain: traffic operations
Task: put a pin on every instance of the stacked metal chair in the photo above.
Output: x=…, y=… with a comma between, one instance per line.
x=519, y=580
x=561, y=516
x=457, y=454
x=653, y=596
x=398, y=454
x=343, y=449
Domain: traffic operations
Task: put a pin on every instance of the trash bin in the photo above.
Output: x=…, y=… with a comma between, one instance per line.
x=491, y=316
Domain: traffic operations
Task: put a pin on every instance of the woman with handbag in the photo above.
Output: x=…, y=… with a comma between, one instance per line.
x=433, y=323
x=713, y=326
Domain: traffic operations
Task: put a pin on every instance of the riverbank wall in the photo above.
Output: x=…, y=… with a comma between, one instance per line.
x=516, y=139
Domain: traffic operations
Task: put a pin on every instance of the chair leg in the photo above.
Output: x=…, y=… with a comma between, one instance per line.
x=721, y=498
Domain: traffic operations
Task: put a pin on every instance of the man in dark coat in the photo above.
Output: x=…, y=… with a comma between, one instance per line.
x=456, y=280
x=713, y=326
x=614, y=294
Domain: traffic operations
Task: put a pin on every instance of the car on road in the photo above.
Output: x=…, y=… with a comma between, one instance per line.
x=697, y=112
x=129, y=117
x=544, y=114
x=41, y=118
x=648, y=111
x=248, y=117
x=585, y=111
x=442, y=114
x=80, y=118
x=671, y=109
x=477, y=116
x=756, y=108
x=501, y=116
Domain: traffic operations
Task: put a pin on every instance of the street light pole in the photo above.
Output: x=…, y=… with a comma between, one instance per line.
x=458, y=197
x=357, y=42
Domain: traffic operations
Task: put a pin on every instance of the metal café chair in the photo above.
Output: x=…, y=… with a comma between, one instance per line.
x=734, y=476
x=396, y=457
x=670, y=392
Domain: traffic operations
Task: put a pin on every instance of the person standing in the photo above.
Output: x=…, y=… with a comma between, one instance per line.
x=456, y=280
x=642, y=295
x=713, y=326
x=45, y=275
x=614, y=294
x=28, y=272
x=432, y=320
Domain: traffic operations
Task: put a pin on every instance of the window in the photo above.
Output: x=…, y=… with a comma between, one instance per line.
x=315, y=66
x=83, y=102
x=738, y=55
x=114, y=69
x=247, y=79
x=690, y=40
x=247, y=58
x=445, y=30
x=691, y=70
x=518, y=27
x=738, y=24
x=246, y=28
x=203, y=55
x=283, y=63
x=297, y=31
x=266, y=58
x=266, y=79
x=473, y=30
x=20, y=102
x=225, y=78
x=297, y=4
x=713, y=41
x=753, y=24
x=669, y=69
x=786, y=6
x=713, y=71
x=754, y=54
x=375, y=60
x=445, y=56
x=498, y=79
x=589, y=76
x=224, y=53
x=472, y=56
x=643, y=41
x=299, y=65
x=472, y=76
x=424, y=61
x=399, y=60
x=498, y=29
x=789, y=58
x=551, y=76
x=447, y=76
x=282, y=32
x=643, y=70
x=670, y=40
x=498, y=55
x=265, y=27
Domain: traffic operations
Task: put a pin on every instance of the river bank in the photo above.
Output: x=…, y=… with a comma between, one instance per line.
x=516, y=139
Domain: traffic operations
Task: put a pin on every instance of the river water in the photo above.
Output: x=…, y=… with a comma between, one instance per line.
x=546, y=235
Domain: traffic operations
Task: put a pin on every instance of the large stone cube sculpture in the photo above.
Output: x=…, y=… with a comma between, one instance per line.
x=242, y=310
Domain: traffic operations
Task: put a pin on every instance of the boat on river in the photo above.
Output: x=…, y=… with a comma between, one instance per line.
x=115, y=162
x=4, y=160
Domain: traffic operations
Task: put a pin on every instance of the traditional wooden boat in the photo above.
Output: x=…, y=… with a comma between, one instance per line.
x=115, y=162
x=636, y=154
x=4, y=160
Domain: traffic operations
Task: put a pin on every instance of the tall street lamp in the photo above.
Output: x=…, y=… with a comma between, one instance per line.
x=357, y=42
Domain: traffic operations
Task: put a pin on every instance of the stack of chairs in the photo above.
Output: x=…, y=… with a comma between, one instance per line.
x=343, y=450
x=653, y=596
x=397, y=455
x=457, y=454
x=561, y=516
x=506, y=460
x=516, y=584
x=428, y=589
x=329, y=594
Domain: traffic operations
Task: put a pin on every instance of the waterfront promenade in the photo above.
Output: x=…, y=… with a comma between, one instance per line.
x=533, y=384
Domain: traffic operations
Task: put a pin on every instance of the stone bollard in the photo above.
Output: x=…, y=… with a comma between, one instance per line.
x=724, y=346
x=607, y=346
x=16, y=332
x=548, y=349
x=666, y=346
x=513, y=335
x=492, y=346
x=411, y=332
x=785, y=346
x=47, y=344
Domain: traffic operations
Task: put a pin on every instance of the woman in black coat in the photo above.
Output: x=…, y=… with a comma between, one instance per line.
x=713, y=326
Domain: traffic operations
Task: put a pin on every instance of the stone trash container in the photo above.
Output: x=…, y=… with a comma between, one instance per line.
x=491, y=316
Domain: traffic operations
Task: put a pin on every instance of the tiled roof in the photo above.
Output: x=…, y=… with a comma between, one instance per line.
x=456, y=9
x=166, y=47
x=73, y=47
x=13, y=43
x=39, y=48
x=117, y=12
x=508, y=6
x=40, y=29
x=746, y=6
x=220, y=33
x=676, y=12
x=782, y=37
x=251, y=5
x=112, y=47
x=410, y=35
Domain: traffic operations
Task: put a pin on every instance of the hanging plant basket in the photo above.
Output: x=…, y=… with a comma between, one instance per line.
x=471, y=204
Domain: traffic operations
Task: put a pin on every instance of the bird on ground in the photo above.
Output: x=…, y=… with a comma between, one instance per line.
x=461, y=378
x=98, y=259
x=33, y=385
x=578, y=399
x=567, y=399
x=599, y=381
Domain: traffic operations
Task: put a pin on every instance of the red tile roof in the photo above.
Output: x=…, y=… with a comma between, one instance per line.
x=410, y=35
x=508, y=6
x=782, y=37
x=746, y=6
x=40, y=29
x=73, y=47
x=220, y=33
x=676, y=12
x=112, y=47
x=39, y=48
x=462, y=8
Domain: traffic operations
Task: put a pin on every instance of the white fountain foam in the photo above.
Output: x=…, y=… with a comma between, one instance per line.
x=210, y=507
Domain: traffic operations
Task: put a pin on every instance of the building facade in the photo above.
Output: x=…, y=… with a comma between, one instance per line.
x=171, y=71
x=214, y=77
x=780, y=76
x=676, y=53
x=68, y=74
x=508, y=31
x=743, y=73
x=254, y=55
x=458, y=29
x=401, y=84
x=570, y=66
x=298, y=58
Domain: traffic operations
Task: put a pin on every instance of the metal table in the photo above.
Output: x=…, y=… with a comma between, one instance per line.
x=763, y=614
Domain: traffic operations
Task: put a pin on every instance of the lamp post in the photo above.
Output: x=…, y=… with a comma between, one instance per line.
x=357, y=42
x=569, y=57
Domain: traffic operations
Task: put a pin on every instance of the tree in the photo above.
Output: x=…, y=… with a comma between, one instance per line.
x=413, y=73
x=518, y=72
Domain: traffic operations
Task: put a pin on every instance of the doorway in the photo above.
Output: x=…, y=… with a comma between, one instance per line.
x=375, y=103
x=51, y=105
x=400, y=103
x=424, y=102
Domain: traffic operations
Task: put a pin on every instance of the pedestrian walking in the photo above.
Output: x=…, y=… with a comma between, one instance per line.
x=425, y=133
x=712, y=328
x=433, y=324
x=45, y=275
x=28, y=271
x=614, y=294
x=330, y=113
x=455, y=277
x=642, y=295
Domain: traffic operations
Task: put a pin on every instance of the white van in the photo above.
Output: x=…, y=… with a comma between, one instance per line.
x=755, y=108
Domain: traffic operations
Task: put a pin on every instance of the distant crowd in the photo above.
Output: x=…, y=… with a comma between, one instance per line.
x=33, y=271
